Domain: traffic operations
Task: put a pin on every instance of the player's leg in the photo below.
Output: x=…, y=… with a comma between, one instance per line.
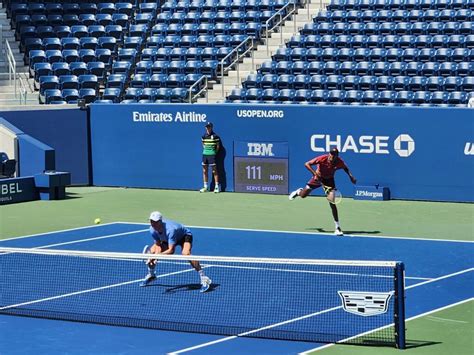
x=335, y=216
x=151, y=265
x=186, y=250
x=217, y=188
x=205, y=168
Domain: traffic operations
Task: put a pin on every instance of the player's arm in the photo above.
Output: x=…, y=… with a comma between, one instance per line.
x=309, y=165
x=170, y=250
x=347, y=171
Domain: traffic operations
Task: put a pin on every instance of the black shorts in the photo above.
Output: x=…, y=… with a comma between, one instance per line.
x=209, y=160
x=187, y=238
x=315, y=182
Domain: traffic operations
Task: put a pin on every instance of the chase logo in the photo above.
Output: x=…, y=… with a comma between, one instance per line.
x=365, y=303
x=260, y=149
x=469, y=149
x=404, y=145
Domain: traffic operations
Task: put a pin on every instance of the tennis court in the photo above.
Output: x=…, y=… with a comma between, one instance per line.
x=439, y=273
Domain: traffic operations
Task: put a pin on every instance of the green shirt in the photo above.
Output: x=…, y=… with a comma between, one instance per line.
x=210, y=143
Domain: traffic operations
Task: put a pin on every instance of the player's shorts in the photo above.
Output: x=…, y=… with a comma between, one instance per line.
x=315, y=182
x=187, y=238
x=209, y=160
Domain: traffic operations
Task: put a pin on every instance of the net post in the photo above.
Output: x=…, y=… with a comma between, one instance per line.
x=400, y=305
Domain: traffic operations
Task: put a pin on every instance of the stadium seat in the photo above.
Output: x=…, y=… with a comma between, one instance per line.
x=70, y=95
x=51, y=95
x=68, y=82
x=386, y=96
x=302, y=95
x=70, y=43
x=60, y=68
x=78, y=68
x=88, y=95
x=88, y=81
x=51, y=43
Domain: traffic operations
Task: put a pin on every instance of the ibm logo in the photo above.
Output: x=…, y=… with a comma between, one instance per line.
x=260, y=149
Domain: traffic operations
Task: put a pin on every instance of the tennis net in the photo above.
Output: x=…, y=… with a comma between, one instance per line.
x=291, y=299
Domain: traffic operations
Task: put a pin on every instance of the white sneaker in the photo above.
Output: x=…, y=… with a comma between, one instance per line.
x=338, y=232
x=205, y=283
x=217, y=190
x=204, y=189
x=294, y=194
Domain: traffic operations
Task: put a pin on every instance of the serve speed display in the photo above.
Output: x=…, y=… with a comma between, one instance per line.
x=261, y=167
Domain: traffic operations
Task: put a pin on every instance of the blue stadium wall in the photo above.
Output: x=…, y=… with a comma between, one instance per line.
x=419, y=153
x=65, y=130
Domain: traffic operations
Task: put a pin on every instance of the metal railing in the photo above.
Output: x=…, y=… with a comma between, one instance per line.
x=23, y=91
x=197, y=94
x=224, y=69
x=282, y=15
x=11, y=64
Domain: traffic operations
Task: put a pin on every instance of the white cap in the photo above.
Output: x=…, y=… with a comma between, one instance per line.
x=156, y=216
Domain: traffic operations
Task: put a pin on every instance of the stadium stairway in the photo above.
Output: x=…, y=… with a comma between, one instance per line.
x=261, y=54
x=8, y=96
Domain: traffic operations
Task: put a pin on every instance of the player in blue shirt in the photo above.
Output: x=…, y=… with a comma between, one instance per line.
x=167, y=235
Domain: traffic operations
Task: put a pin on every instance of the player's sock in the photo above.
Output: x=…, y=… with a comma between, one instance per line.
x=151, y=270
x=337, y=224
x=205, y=185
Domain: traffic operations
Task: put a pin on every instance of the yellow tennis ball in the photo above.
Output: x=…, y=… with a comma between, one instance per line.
x=97, y=221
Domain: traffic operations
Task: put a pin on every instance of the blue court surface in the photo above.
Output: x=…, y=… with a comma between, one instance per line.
x=439, y=274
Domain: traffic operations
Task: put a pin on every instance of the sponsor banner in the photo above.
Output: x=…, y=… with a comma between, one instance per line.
x=415, y=152
x=365, y=304
x=261, y=149
x=17, y=190
x=374, y=193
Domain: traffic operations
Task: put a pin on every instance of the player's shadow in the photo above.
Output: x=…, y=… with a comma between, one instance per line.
x=323, y=230
x=185, y=287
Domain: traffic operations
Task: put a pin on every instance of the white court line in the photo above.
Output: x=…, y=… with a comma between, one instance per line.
x=318, y=233
x=87, y=291
x=407, y=320
x=58, y=231
x=256, y=330
x=311, y=315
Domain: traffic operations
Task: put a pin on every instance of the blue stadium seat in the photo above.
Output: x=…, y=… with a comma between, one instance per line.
x=70, y=55
x=465, y=69
x=78, y=68
x=60, y=68
x=132, y=94
x=467, y=83
x=41, y=69
x=285, y=81
x=380, y=68
x=421, y=97
x=237, y=94
x=106, y=20
x=48, y=82
x=163, y=94
x=417, y=83
x=144, y=67
x=124, y=8
x=88, y=95
x=253, y=94
x=313, y=68
x=45, y=32
x=318, y=96
x=175, y=80
x=386, y=96
x=302, y=95
x=36, y=56
x=115, y=31
x=51, y=43
x=350, y=82
x=452, y=83
x=301, y=81
x=87, y=8
x=53, y=9
x=367, y=82
x=194, y=53
x=176, y=66
x=140, y=81
x=413, y=68
x=270, y=94
x=115, y=19
x=162, y=53
x=439, y=97
x=71, y=8
x=448, y=68
x=160, y=67
x=127, y=54
x=89, y=43
x=434, y=83
x=87, y=55
x=193, y=67
x=157, y=80
x=334, y=82
x=317, y=82
x=68, y=82
x=353, y=96
x=87, y=19
x=70, y=95
x=106, y=8
x=51, y=95
x=88, y=81
x=70, y=43
x=116, y=81
x=148, y=94
x=54, y=56
x=397, y=68
x=79, y=31
x=284, y=95
x=269, y=81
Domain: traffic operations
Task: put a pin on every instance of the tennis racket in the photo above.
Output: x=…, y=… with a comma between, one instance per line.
x=333, y=195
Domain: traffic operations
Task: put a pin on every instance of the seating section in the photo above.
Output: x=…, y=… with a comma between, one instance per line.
x=391, y=52
x=141, y=51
